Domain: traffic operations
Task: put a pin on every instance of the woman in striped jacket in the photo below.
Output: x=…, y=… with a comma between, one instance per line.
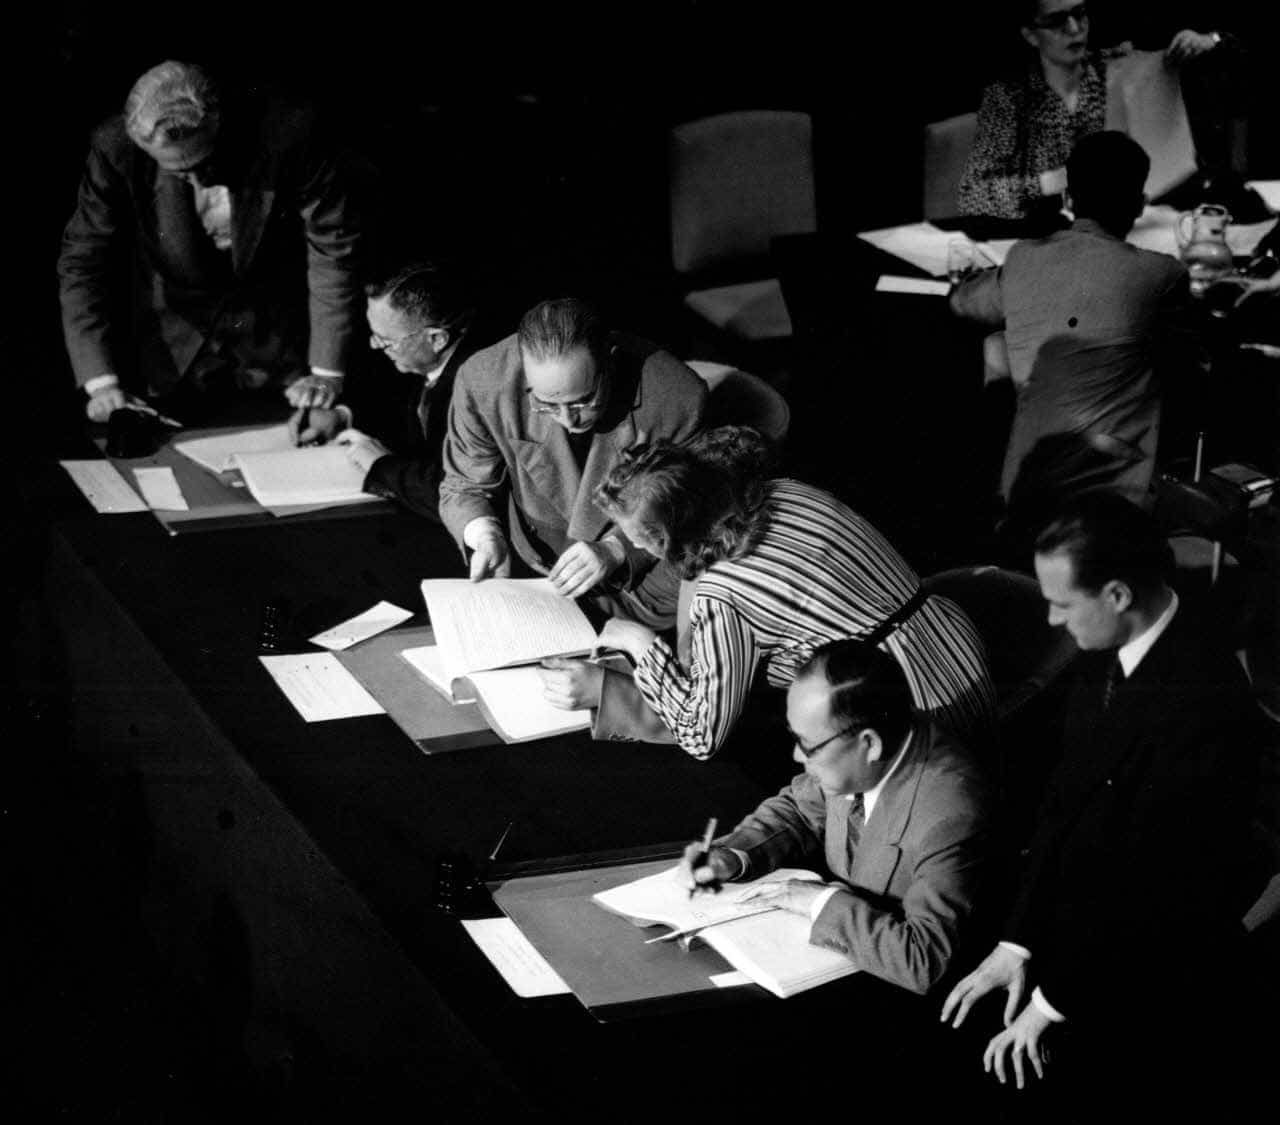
x=781, y=567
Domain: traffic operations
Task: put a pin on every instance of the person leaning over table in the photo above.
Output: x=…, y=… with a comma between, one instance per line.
x=424, y=320
x=536, y=422
x=778, y=569
x=1125, y=944
x=889, y=804
x=226, y=223
x=1029, y=121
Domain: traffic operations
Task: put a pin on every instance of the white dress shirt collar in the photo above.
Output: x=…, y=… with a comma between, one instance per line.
x=1131, y=653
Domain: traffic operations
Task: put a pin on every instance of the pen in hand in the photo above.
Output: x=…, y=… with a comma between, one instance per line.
x=702, y=857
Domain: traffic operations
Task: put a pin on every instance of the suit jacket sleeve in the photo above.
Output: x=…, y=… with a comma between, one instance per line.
x=332, y=228
x=84, y=265
x=475, y=471
x=910, y=941
x=413, y=481
x=979, y=298
x=787, y=830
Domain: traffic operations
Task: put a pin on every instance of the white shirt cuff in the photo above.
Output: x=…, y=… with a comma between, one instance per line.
x=344, y=412
x=820, y=902
x=482, y=527
x=1013, y=947
x=1045, y=1008
x=101, y=383
x=742, y=861
x=327, y=373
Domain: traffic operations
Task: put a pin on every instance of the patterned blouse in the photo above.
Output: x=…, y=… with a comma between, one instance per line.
x=1025, y=128
x=818, y=573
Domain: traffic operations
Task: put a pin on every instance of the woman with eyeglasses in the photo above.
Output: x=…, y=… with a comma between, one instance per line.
x=1028, y=122
x=779, y=568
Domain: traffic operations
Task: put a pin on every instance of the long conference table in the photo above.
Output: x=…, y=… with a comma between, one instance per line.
x=287, y=869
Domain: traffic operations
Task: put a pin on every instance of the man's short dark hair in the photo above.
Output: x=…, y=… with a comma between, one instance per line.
x=553, y=328
x=1108, y=538
x=868, y=688
x=430, y=293
x=1106, y=172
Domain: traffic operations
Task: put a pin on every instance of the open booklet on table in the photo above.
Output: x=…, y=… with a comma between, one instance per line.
x=768, y=944
x=489, y=637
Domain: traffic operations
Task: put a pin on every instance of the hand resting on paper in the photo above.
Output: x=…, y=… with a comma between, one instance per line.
x=714, y=867
x=583, y=566
x=572, y=685
x=362, y=450
x=315, y=425
x=491, y=557
x=626, y=636
x=795, y=895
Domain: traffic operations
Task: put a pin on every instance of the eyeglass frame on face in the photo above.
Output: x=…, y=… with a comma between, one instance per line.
x=1057, y=21
x=574, y=409
x=385, y=343
x=810, y=751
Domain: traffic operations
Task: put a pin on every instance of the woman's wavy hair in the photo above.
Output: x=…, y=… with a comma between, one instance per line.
x=703, y=502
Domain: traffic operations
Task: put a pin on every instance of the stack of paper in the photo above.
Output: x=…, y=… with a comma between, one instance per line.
x=215, y=453
x=316, y=475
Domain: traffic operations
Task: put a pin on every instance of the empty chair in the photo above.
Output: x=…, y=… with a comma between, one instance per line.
x=737, y=398
x=946, y=149
x=737, y=181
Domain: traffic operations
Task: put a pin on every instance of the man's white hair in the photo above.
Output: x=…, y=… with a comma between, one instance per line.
x=170, y=103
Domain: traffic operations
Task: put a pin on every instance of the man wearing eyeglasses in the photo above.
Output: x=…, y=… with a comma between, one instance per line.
x=424, y=323
x=889, y=805
x=537, y=421
x=211, y=252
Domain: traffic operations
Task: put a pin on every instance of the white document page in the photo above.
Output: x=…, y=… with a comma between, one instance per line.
x=370, y=623
x=502, y=621
x=921, y=244
x=160, y=489
x=1144, y=99
x=511, y=700
x=1269, y=190
x=314, y=475
x=429, y=664
x=104, y=487
x=215, y=453
x=319, y=687
x=925, y=286
x=512, y=954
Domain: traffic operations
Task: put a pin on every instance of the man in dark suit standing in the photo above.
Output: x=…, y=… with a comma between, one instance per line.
x=424, y=320
x=1127, y=916
x=220, y=228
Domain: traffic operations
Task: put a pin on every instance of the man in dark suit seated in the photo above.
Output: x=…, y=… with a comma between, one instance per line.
x=1126, y=924
x=424, y=320
x=891, y=806
x=537, y=422
x=216, y=232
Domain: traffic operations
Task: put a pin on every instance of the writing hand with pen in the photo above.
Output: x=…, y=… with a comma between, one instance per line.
x=315, y=425
x=705, y=867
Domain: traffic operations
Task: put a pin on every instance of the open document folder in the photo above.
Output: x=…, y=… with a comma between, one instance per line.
x=489, y=637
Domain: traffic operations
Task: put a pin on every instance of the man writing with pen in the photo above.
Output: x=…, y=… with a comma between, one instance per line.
x=892, y=807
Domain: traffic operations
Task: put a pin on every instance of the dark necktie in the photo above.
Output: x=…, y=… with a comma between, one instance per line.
x=1115, y=677
x=857, y=821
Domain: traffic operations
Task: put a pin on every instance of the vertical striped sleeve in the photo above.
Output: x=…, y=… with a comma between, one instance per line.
x=700, y=705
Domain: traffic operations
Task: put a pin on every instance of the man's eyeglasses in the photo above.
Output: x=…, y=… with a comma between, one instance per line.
x=573, y=410
x=386, y=343
x=1057, y=21
x=810, y=751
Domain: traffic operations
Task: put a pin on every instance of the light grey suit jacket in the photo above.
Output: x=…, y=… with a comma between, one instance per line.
x=910, y=883
x=498, y=450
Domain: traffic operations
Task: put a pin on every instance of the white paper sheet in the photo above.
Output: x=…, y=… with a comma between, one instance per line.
x=1269, y=190
x=512, y=954
x=732, y=979
x=429, y=664
x=925, y=286
x=1144, y=99
x=104, y=487
x=215, y=453
x=160, y=489
x=370, y=623
x=321, y=474
x=319, y=687
x=921, y=244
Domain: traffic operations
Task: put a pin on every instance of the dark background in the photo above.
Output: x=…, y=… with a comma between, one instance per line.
x=532, y=139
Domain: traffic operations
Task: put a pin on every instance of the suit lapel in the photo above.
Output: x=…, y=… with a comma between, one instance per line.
x=250, y=208
x=880, y=849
